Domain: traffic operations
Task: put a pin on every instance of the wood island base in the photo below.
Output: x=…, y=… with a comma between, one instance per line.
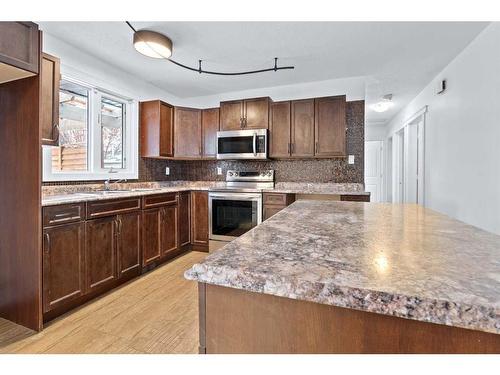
x=237, y=321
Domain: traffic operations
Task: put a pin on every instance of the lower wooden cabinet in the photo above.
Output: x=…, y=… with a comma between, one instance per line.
x=151, y=249
x=184, y=218
x=101, y=265
x=273, y=203
x=199, y=220
x=169, y=230
x=63, y=264
x=129, y=243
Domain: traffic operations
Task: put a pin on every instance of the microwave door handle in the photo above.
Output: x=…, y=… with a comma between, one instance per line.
x=254, y=144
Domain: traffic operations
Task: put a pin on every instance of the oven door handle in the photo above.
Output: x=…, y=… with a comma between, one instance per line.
x=236, y=196
x=254, y=144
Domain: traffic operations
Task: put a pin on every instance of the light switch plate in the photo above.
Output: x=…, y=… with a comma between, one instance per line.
x=167, y=171
x=219, y=171
x=350, y=160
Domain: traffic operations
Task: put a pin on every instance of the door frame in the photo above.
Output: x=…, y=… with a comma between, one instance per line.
x=400, y=157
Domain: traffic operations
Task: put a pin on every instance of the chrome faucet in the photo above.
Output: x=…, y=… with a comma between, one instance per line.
x=108, y=182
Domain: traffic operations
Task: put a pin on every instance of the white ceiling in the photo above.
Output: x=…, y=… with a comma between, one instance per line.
x=398, y=58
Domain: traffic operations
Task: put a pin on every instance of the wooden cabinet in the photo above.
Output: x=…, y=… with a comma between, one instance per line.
x=302, y=128
x=101, y=265
x=19, y=50
x=209, y=129
x=256, y=113
x=157, y=129
x=151, y=248
x=169, y=231
x=184, y=219
x=63, y=264
x=273, y=203
x=129, y=243
x=355, y=198
x=245, y=114
x=279, y=130
x=49, y=100
x=231, y=115
x=330, y=126
x=187, y=133
x=199, y=220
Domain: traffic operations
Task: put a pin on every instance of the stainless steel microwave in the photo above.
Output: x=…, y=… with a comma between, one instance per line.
x=242, y=144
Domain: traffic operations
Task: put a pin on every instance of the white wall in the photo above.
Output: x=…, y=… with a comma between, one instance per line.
x=462, y=135
x=375, y=132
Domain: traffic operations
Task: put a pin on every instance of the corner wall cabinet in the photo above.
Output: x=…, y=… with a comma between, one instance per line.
x=49, y=100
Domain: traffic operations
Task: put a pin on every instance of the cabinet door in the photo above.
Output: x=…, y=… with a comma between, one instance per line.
x=151, y=245
x=302, y=128
x=19, y=46
x=279, y=130
x=100, y=256
x=199, y=218
x=330, y=125
x=166, y=130
x=129, y=243
x=63, y=264
x=169, y=230
x=231, y=115
x=187, y=133
x=256, y=113
x=209, y=128
x=269, y=211
x=49, y=99
x=184, y=219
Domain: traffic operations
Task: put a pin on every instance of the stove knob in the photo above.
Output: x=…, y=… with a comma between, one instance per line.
x=230, y=173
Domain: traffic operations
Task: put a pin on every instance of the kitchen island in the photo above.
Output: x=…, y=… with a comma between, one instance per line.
x=335, y=277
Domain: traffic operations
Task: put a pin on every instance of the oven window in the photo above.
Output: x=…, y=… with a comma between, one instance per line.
x=235, y=145
x=233, y=217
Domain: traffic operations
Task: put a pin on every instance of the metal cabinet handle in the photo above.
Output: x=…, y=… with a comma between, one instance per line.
x=47, y=241
x=241, y=122
x=316, y=148
x=289, y=147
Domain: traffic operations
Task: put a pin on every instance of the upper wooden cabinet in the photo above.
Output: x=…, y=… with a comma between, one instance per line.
x=245, y=114
x=187, y=133
x=279, y=130
x=157, y=129
x=330, y=126
x=49, y=101
x=19, y=50
x=209, y=129
x=302, y=128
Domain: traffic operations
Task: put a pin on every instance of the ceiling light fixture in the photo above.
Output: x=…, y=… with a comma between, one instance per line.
x=156, y=45
x=384, y=104
x=152, y=44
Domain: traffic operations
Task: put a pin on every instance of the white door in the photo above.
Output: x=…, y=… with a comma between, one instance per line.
x=373, y=169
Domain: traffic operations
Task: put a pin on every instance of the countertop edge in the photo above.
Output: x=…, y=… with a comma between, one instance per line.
x=472, y=317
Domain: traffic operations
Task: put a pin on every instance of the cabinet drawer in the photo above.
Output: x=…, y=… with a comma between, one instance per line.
x=62, y=214
x=159, y=200
x=112, y=207
x=355, y=198
x=278, y=199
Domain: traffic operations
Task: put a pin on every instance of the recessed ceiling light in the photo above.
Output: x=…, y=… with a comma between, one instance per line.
x=384, y=104
x=152, y=44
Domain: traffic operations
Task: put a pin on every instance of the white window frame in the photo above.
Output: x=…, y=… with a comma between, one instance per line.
x=130, y=146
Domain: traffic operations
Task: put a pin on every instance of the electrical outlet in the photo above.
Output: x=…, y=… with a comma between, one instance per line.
x=350, y=159
x=167, y=171
x=219, y=171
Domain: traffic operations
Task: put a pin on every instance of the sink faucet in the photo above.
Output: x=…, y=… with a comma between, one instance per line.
x=109, y=182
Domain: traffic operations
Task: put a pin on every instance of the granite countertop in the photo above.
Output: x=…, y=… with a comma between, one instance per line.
x=399, y=260
x=64, y=194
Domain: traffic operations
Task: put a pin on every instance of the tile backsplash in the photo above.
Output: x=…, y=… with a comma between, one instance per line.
x=307, y=170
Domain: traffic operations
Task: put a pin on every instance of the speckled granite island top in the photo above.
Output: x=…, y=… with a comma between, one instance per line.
x=399, y=260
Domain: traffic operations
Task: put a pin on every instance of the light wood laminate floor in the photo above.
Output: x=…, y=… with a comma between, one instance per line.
x=156, y=313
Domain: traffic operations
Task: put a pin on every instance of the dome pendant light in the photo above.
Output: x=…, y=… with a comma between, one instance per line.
x=158, y=46
x=152, y=44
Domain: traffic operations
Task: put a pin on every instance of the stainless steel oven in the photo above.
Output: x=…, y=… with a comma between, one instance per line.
x=232, y=214
x=242, y=144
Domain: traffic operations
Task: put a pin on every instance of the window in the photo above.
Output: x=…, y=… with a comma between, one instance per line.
x=97, y=135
